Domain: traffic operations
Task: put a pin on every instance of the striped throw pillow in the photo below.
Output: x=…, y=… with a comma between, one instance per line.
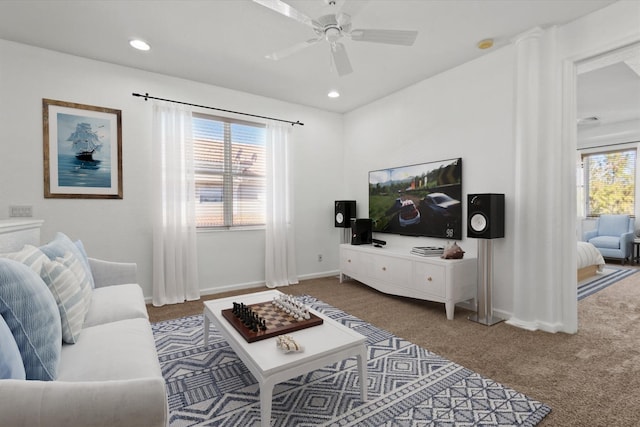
x=66, y=290
x=30, y=256
x=73, y=263
x=30, y=311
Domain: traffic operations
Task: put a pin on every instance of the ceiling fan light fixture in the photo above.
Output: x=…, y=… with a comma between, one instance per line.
x=485, y=44
x=333, y=94
x=332, y=34
x=139, y=44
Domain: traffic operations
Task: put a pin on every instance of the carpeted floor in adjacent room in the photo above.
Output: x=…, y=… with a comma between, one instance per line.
x=591, y=378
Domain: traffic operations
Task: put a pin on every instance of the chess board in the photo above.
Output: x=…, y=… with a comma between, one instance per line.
x=278, y=322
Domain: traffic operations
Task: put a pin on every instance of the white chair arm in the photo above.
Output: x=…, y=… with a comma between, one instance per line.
x=106, y=273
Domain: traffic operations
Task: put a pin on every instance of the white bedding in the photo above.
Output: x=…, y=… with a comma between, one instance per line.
x=589, y=255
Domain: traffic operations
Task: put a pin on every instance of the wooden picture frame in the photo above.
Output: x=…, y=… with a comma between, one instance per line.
x=82, y=151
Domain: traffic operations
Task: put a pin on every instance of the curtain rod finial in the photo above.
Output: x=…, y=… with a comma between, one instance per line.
x=145, y=96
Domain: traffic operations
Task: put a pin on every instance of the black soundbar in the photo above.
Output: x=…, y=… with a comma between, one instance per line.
x=378, y=243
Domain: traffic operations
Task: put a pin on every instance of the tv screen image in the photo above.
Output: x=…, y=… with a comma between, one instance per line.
x=418, y=200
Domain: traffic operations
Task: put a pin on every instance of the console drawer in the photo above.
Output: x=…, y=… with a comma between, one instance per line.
x=391, y=270
x=430, y=278
x=349, y=262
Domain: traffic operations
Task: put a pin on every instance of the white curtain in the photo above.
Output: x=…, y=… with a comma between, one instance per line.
x=280, y=254
x=175, y=258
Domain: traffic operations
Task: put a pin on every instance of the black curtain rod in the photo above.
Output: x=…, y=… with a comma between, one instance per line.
x=146, y=97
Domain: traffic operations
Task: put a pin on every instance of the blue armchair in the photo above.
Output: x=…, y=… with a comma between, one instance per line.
x=613, y=236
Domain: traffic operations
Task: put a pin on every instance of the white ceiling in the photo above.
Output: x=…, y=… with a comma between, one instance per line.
x=610, y=89
x=224, y=42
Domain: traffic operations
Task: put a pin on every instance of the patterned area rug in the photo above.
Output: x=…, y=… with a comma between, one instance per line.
x=408, y=385
x=598, y=284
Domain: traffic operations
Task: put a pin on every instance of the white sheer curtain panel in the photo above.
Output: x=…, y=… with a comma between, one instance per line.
x=175, y=260
x=280, y=252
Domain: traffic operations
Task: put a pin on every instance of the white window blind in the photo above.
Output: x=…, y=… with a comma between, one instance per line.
x=609, y=182
x=230, y=172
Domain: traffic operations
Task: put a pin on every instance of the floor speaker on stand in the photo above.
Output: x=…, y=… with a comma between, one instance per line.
x=344, y=212
x=485, y=223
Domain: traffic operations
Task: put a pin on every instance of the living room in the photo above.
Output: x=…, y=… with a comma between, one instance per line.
x=424, y=118
x=468, y=111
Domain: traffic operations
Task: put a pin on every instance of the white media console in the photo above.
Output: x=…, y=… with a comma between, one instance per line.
x=397, y=272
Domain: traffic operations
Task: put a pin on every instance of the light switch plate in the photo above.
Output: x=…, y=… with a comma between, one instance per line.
x=20, y=211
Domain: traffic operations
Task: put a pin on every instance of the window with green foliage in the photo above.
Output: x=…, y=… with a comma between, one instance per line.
x=609, y=182
x=229, y=158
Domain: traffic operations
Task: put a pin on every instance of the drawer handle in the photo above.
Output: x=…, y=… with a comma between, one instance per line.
x=384, y=268
x=429, y=279
x=349, y=260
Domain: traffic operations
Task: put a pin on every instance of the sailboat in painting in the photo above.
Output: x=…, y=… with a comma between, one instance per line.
x=85, y=142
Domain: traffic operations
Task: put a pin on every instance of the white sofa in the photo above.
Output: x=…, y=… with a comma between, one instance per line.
x=110, y=377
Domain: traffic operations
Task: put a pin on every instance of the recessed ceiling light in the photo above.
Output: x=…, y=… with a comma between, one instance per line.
x=333, y=94
x=139, y=44
x=485, y=44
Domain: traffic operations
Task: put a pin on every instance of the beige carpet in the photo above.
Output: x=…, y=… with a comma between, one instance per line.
x=591, y=378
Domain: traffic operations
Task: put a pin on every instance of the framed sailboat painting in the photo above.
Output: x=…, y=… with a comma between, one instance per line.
x=82, y=151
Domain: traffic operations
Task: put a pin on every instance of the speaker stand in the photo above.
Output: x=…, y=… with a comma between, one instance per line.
x=484, y=311
x=346, y=235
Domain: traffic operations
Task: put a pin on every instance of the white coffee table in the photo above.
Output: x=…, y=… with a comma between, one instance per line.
x=323, y=345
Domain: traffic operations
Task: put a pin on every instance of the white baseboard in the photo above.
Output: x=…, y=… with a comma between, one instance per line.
x=319, y=275
x=234, y=287
x=534, y=326
x=249, y=285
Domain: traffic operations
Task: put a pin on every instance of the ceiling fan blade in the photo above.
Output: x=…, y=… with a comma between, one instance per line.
x=288, y=11
x=340, y=59
x=352, y=8
x=343, y=19
x=292, y=49
x=399, y=37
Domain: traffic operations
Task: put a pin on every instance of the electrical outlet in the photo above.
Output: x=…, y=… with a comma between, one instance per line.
x=319, y=257
x=20, y=211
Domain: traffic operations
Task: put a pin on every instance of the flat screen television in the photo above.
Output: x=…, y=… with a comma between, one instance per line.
x=418, y=200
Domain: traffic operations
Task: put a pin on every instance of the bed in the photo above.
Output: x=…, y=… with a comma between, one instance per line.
x=590, y=260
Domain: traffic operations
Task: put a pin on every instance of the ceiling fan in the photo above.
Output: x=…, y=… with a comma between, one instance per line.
x=332, y=27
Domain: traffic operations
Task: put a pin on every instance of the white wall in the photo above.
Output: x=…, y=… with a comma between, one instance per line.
x=465, y=112
x=121, y=230
x=609, y=134
x=468, y=112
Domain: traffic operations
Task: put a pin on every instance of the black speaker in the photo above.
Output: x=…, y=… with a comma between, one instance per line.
x=345, y=211
x=361, y=231
x=485, y=216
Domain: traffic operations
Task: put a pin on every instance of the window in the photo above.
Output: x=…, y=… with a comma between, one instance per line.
x=229, y=158
x=609, y=182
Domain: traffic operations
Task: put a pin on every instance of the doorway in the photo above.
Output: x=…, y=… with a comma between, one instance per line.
x=607, y=114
